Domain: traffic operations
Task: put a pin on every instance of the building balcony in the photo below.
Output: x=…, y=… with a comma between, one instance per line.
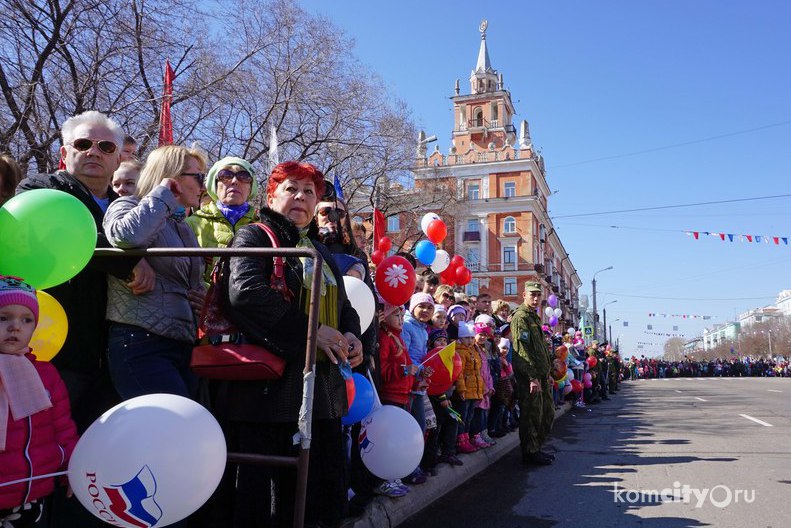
x=471, y=236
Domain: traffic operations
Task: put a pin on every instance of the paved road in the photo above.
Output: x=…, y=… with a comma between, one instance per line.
x=725, y=443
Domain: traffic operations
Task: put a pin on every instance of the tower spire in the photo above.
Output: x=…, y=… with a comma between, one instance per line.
x=484, y=65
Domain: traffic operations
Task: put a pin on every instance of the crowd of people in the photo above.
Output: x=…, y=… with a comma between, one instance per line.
x=133, y=323
x=643, y=368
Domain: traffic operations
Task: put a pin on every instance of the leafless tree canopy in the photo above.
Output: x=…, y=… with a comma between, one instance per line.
x=241, y=67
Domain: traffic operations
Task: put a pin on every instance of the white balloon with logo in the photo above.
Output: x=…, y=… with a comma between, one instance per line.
x=362, y=299
x=149, y=461
x=427, y=219
x=390, y=442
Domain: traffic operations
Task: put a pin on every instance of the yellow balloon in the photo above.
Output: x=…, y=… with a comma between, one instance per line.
x=53, y=326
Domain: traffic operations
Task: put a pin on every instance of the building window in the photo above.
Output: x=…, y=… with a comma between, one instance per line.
x=474, y=191
x=473, y=225
x=509, y=286
x=393, y=223
x=509, y=190
x=509, y=257
x=509, y=225
x=473, y=259
x=473, y=288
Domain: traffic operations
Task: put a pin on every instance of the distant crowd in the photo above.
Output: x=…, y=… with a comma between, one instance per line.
x=736, y=367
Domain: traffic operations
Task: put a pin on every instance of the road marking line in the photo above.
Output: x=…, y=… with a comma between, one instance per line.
x=701, y=399
x=687, y=379
x=756, y=420
x=773, y=390
x=678, y=390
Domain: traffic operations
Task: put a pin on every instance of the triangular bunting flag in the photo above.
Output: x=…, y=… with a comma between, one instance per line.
x=695, y=234
x=749, y=238
x=758, y=238
x=777, y=240
x=730, y=237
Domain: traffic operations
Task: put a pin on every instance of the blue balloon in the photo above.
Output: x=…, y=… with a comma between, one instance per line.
x=426, y=252
x=363, y=400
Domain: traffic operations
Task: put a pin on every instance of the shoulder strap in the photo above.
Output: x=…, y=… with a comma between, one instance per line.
x=278, y=279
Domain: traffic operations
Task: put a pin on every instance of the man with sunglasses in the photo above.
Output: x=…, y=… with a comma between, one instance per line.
x=91, y=154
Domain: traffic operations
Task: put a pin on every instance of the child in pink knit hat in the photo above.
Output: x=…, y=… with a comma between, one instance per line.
x=37, y=434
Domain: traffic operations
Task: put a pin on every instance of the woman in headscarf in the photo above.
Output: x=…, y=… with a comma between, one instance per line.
x=231, y=185
x=262, y=416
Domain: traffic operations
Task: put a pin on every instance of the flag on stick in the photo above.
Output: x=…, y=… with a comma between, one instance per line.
x=165, y=121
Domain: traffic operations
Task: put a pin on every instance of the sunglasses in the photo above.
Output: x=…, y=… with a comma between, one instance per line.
x=324, y=211
x=227, y=176
x=85, y=144
x=197, y=175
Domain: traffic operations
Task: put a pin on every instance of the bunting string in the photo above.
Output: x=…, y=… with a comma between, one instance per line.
x=731, y=237
x=682, y=316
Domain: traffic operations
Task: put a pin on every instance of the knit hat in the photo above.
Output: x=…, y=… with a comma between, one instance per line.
x=390, y=308
x=211, y=178
x=483, y=328
x=14, y=290
x=420, y=298
x=485, y=319
x=457, y=308
x=439, y=308
x=466, y=330
x=434, y=335
x=504, y=343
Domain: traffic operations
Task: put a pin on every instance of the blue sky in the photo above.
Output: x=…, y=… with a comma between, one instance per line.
x=606, y=79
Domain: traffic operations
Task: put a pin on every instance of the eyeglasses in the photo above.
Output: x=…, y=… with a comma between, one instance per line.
x=325, y=211
x=84, y=144
x=227, y=176
x=197, y=175
x=446, y=295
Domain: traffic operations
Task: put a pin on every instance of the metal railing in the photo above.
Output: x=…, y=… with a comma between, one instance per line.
x=300, y=462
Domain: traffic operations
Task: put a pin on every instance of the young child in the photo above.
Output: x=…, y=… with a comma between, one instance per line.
x=469, y=387
x=439, y=321
x=478, y=428
x=503, y=392
x=37, y=434
x=456, y=314
x=443, y=439
x=397, y=373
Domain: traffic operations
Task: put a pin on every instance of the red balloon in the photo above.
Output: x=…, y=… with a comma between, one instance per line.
x=463, y=275
x=385, y=244
x=592, y=361
x=395, y=280
x=377, y=257
x=456, y=262
x=448, y=276
x=351, y=391
x=576, y=386
x=441, y=380
x=436, y=231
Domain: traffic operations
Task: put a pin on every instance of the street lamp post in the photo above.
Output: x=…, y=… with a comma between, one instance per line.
x=610, y=339
x=604, y=311
x=595, y=314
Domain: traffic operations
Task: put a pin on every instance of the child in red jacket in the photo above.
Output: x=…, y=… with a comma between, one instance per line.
x=37, y=434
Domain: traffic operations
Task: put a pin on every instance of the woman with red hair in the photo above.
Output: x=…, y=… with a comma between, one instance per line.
x=262, y=416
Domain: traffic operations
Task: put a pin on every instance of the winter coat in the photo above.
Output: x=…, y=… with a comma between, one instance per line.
x=265, y=318
x=470, y=382
x=37, y=445
x=486, y=376
x=393, y=361
x=132, y=222
x=84, y=296
x=532, y=359
x=213, y=230
x=415, y=335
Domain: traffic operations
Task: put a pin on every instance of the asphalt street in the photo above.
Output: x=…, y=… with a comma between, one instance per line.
x=661, y=453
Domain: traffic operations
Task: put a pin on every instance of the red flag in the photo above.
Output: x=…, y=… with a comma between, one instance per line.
x=379, y=226
x=749, y=238
x=777, y=240
x=165, y=122
x=695, y=234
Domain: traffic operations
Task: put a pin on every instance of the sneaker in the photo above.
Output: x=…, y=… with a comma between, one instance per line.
x=479, y=442
x=487, y=439
x=391, y=489
x=416, y=477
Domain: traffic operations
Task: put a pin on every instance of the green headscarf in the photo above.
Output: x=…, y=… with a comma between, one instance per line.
x=211, y=180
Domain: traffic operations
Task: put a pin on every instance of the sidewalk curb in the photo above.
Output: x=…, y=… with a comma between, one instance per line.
x=385, y=512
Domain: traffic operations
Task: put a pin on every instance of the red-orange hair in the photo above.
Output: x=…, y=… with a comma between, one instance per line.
x=295, y=170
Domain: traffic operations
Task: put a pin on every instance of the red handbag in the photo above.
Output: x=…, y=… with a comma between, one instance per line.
x=227, y=356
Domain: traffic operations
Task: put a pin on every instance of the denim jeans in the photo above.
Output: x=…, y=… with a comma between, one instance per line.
x=144, y=363
x=466, y=410
x=418, y=410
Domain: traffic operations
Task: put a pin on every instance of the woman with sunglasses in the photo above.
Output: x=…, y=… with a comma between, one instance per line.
x=152, y=334
x=231, y=185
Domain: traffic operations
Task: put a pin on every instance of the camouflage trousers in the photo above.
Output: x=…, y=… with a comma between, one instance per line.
x=536, y=414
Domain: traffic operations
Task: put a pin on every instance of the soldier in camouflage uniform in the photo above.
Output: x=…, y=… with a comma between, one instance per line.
x=532, y=361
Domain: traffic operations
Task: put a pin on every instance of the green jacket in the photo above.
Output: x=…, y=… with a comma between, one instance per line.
x=531, y=354
x=215, y=231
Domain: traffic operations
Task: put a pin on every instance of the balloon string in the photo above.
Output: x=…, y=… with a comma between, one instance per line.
x=48, y=475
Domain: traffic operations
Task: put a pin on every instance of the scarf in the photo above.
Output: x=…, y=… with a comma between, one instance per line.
x=21, y=391
x=328, y=278
x=179, y=214
x=233, y=213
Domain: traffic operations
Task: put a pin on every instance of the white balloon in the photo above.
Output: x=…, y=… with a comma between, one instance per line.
x=426, y=220
x=557, y=312
x=548, y=311
x=570, y=330
x=362, y=299
x=441, y=261
x=151, y=460
x=391, y=443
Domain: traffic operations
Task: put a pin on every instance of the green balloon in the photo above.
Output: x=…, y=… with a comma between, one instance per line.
x=46, y=237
